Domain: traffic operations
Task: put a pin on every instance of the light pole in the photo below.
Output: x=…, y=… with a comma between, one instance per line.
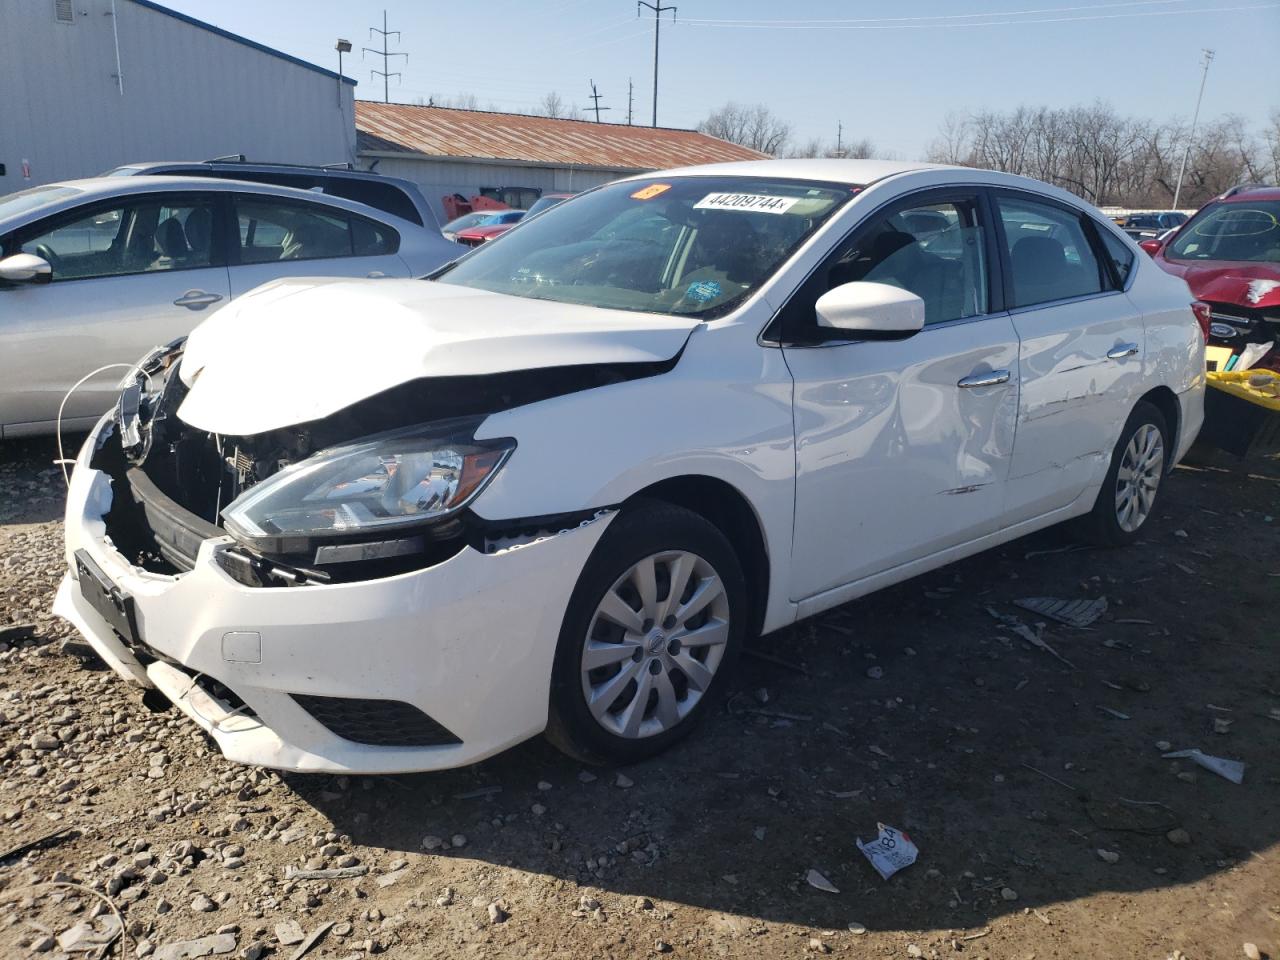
x=342, y=46
x=1182, y=168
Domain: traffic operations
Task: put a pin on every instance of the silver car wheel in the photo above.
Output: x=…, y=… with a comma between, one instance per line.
x=654, y=644
x=1141, y=468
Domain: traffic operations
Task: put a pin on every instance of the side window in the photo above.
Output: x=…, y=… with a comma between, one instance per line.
x=381, y=196
x=1049, y=254
x=934, y=250
x=1121, y=256
x=371, y=239
x=272, y=229
x=146, y=235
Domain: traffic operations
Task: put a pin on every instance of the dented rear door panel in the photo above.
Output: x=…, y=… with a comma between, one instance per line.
x=1074, y=398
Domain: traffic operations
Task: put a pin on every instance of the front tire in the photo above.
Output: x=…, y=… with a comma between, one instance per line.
x=652, y=630
x=1138, y=467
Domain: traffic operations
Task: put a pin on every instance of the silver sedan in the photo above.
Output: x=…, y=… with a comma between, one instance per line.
x=94, y=273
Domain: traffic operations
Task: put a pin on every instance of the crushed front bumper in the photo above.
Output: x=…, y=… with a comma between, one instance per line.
x=468, y=643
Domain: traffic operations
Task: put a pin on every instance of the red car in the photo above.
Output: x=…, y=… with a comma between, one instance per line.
x=478, y=235
x=1229, y=255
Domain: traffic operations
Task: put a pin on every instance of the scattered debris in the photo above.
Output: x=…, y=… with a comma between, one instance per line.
x=1008, y=893
x=1232, y=770
x=986, y=932
x=334, y=873
x=1074, y=613
x=1049, y=776
x=314, y=937
x=1178, y=837
x=819, y=882
x=1115, y=713
x=1108, y=856
x=32, y=844
x=1033, y=637
x=891, y=851
x=218, y=943
x=776, y=661
x=857, y=929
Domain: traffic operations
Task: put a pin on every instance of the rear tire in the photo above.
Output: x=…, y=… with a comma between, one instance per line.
x=1132, y=486
x=653, y=628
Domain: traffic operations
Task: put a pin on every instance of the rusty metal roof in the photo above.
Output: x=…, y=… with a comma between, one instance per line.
x=478, y=134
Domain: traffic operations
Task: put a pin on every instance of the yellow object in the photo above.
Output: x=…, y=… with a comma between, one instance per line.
x=1219, y=355
x=1236, y=383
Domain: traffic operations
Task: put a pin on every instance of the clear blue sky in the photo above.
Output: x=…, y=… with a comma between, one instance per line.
x=890, y=80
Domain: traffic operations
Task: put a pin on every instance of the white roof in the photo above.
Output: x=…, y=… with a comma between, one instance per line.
x=859, y=172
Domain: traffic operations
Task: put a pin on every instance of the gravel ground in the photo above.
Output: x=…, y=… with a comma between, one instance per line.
x=1048, y=823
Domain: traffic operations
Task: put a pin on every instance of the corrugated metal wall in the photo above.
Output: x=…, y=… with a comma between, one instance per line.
x=189, y=94
x=440, y=177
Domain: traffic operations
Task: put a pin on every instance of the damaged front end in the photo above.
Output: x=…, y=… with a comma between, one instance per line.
x=378, y=488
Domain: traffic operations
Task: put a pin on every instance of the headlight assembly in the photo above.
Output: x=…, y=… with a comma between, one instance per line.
x=379, y=485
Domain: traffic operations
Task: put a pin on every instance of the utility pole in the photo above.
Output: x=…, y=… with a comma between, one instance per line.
x=1182, y=168
x=386, y=56
x=658, y=10
x=595, y=97
x=840, y=138
x=630, y=100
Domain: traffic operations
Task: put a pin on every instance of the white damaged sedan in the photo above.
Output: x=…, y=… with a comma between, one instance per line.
x=395, y=525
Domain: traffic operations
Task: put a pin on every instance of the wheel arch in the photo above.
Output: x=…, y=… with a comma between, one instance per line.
x=1166, y=401
x=724, y=506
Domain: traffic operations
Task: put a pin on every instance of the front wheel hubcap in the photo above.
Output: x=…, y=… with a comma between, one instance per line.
x=1141, y=468
x=654, y=644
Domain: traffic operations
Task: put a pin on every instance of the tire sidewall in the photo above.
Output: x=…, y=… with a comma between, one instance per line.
x=642, y=529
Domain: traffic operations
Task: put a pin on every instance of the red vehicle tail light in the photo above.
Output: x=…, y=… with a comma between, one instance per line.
x=1202, y=312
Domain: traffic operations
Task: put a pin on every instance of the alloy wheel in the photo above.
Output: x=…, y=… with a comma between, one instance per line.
x=654, y=644
x=1138, y=478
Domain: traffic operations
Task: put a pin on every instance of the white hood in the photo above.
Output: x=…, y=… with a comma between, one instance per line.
x=300, y=349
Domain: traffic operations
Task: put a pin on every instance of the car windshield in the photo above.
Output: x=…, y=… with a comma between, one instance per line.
x=1231, y=231
x=468, y=220
x=12, y=204
x=544, y=203
x=673, y=245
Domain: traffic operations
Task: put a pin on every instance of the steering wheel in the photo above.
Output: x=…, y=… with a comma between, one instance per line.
x=45, y=253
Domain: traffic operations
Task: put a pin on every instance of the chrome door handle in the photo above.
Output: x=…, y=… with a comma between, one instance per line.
x=375, y=275
x=1120, y=351
x=989, y=379
x=196, y=299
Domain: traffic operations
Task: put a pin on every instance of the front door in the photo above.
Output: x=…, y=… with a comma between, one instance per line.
x=127, y=275
x=902, y=448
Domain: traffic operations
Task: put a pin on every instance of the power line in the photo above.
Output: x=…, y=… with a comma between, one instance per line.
x=1182, y=168
x=892, y=24
x=386, y=56
x=595, y=98
x=941, y=16
x=658, y=10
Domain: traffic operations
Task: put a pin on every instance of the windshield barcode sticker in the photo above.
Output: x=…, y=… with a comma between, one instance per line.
x=750, y=202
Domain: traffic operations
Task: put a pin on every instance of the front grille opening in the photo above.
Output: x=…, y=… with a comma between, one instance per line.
x=221, y=692
x=378, y=723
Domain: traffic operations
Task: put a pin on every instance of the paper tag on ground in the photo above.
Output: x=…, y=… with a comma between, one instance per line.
x=749, y=202
x=889, y=852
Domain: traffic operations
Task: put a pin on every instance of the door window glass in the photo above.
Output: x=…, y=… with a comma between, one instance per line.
x=934, y=250
x=272, y=229
x=371, y=239
x=1120, y=255
x=1049, y=255
x=146, y=235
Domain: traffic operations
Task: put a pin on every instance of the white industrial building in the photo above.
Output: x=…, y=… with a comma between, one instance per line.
x=448, y=151
x=87, y=85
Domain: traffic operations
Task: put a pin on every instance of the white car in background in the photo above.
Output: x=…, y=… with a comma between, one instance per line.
x=393, y=526
x=96, y=272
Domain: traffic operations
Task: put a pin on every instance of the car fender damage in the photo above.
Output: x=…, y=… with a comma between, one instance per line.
x=162, y=483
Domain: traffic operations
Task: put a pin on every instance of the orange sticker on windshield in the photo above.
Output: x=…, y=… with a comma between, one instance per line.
x=651, y=191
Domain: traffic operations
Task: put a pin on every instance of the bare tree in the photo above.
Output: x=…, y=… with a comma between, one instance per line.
x=552, y=106
x=754, y=126
x=1108, y=158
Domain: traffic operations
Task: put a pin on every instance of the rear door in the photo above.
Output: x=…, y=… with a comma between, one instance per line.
x=903, y=447
x=128, y=274
x=285, y=237
x=1080, y=361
